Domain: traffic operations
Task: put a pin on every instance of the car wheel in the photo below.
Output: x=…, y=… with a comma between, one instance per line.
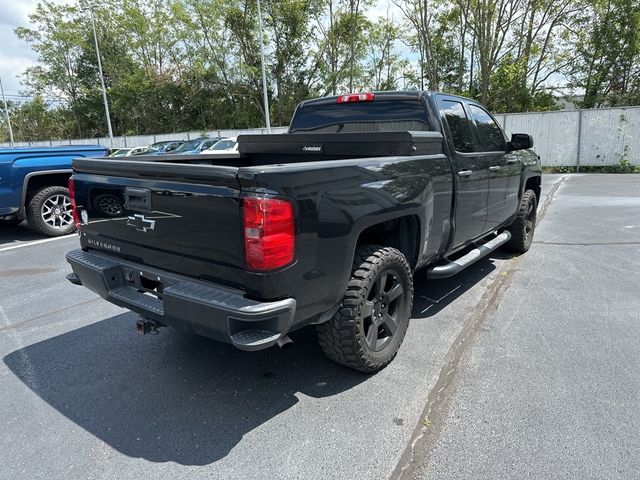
x=524, y=226
x=367, y=330
x=49, y=212
x=108, y=205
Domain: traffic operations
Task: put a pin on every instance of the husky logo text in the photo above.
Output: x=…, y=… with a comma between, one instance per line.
x=140, y=223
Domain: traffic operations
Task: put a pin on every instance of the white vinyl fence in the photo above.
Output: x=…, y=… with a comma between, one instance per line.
x=597, y=137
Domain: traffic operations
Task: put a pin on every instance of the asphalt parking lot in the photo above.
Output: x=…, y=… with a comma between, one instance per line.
x=517, y=367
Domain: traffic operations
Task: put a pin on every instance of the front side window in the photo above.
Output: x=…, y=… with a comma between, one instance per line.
x=490, y=137
x=459, y=125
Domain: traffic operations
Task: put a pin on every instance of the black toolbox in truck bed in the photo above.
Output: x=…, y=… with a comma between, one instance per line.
x=335, y=146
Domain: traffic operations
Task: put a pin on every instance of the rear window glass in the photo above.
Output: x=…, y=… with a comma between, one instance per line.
x=376, y=116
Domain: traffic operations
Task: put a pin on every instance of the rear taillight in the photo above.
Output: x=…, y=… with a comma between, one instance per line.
x=268, y=233
x=74, y=208
x=355, y=97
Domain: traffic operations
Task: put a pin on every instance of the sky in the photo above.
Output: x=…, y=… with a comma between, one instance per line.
x=16, y=55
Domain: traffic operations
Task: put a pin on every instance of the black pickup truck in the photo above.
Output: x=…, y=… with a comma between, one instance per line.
x=325, y=225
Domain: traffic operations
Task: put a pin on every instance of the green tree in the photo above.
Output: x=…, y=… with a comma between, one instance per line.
x=36, y=120
x=608, y=53
x=56, y=34
x=341, y=46
x=175, y=65
x=385, y=66
x=288, y=27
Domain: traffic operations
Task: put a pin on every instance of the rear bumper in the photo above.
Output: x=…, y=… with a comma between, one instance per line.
x=173, y=300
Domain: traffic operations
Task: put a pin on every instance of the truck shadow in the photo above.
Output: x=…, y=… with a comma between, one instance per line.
x=187, y=399
x=432, y=296
x=10, y=234
x=172, y=397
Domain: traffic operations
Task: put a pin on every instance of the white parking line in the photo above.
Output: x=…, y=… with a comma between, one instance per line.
x=36, y=242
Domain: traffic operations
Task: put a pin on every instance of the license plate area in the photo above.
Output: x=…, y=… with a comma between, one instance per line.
x=145, y=282
x=153, y=287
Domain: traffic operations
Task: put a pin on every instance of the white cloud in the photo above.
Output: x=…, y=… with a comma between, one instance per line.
x=382, y=9
x=15, y=54
x=16, y=13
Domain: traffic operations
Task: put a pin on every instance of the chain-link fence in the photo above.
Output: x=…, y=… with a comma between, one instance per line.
x=604, y=136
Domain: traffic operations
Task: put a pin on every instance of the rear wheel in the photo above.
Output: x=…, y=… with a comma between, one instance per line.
x=49, y=212
x=368, y=329
x=524, y=226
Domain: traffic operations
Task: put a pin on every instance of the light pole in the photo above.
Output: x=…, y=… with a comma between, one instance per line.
x=104, y=90
x=6, y=112
x=264, y=75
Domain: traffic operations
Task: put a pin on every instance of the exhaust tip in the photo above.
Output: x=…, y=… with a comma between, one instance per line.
x=284, y=342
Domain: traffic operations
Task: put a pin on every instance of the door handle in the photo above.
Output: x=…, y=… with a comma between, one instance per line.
x=513, y=160
x=495, y=168
x=465, y=173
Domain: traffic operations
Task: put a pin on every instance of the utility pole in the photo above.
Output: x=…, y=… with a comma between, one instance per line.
x=264, y=74
x=6, y=112
x=104, y=90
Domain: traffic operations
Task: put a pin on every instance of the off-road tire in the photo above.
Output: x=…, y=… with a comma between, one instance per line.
x=524, y=226
x=35, y=212
x=344, y=337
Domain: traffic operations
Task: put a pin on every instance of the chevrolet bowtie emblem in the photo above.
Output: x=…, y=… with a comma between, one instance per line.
x=140, y=223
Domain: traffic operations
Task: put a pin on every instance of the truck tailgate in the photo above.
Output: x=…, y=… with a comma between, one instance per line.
x=181, y=218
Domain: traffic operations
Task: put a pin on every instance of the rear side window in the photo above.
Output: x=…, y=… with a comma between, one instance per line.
x=375, y=116
x=459, y=125
x=490, y=137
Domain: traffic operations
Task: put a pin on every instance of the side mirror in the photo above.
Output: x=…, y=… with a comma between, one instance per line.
x=520, y=141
